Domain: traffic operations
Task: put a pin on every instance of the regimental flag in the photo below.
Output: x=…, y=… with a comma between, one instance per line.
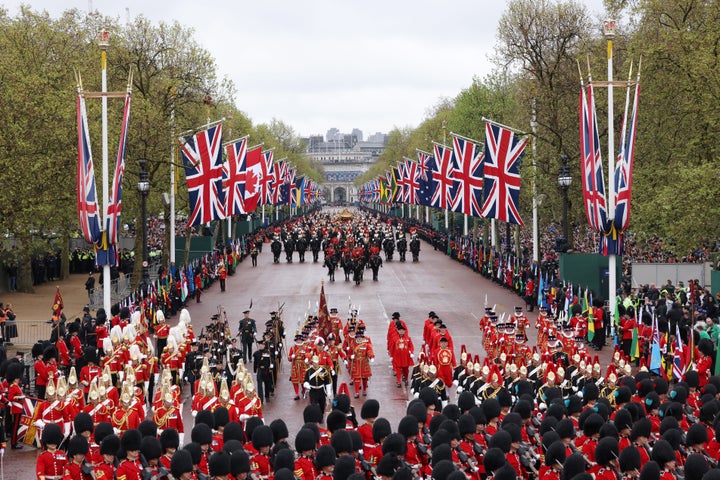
x=501, y=171
x=591, y=169
x=88, y=211
x=267, y=178
x=655, y=356
x=426, y=187
x=468, y=173
x=114, y=207
x=27, y=431
x=234, y=177
x=324, y=324
x=412, y=182
x=588, y=311
x=58, y=304
x=202, y=156
x=442, y=178
x=678, y=369
x=624, y=165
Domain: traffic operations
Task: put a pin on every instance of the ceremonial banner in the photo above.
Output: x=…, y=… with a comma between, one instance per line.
x=324, y=324
x=27, y=431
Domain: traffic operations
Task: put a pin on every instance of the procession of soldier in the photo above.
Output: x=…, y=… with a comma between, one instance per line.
x=505, y=408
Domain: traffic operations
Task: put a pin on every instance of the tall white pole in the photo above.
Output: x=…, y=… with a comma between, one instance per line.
x=535, y=232
x=173, y=143
x=103, y=42
x=465, y=224
x=609, y=31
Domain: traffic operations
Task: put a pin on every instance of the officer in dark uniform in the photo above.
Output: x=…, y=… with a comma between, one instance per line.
x=247, y=335
x=317, y=380
x=193, y=362
x=263, y=368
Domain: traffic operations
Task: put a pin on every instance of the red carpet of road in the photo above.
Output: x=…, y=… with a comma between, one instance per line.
x=454, y=292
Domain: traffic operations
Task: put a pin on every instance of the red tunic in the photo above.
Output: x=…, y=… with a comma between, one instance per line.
x=362, y=354
x=74, y=472
x=104, y=471
x=168, y=417
x=260, y=465
x=305, y=469
x=50, y=464
x=444, y=359
x=128, y=470
x=401, y=350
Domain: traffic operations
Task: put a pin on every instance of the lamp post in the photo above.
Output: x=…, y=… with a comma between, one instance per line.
x=565, y=180
x=144, y=187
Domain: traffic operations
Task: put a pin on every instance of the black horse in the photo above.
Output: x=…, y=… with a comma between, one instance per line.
x=331, y=264
x=315, y=247
x=402, y=248
x=276, y=249
x=358, y=266
x=415, y=249
x=289, y=249
x=375, y=263
x=347, y=265
x=389, y=249
x=301, y=247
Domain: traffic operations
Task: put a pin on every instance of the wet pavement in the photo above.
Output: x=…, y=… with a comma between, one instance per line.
x=453, y=291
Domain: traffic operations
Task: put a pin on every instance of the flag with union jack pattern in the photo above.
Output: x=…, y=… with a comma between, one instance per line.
x=279, y=172
x=114, y=207
x=425, y=166
x=412, y=182
x=234, y=177
x=591, y=168
x=88, y=211
x=267, y=178
x=442, y=177
x=624, y=165
x=468, y=173
x=27, y=431
x=202, y=156
x=501, y=171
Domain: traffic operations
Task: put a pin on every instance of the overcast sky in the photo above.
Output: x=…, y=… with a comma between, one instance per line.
x=317, y=64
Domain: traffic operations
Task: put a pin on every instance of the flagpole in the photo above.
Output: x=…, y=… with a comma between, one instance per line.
x=173, y=146
x=104, y=43
x=609, y=32
x=535, y=230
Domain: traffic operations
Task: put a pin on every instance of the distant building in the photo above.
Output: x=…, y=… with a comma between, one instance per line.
x=344, y=158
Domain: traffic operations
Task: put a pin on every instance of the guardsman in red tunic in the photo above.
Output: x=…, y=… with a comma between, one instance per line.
x=336, y=323
x=361, y=359
x=543, y=324
x=335, y=354
x=90, y=371
x=222, y=275
x=162, y=330
x=402, y=352
x=444, y=359
x=554, y=459
x=76, y=467
x=168, y=415
x=125, y=417
x=251, y=406
x=325, y=462
x=305, y=447
x=131, y=467
x=260, y=461
x=51, y=462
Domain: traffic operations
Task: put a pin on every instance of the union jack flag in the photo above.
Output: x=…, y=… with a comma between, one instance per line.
x=467, y=171
x=267, y=177
x=88, y=212
x=202, y=156
x=290, y=184
x=624, y=165
x=503, y=153
x=678, y=367
x=234, y=177
x=279, y=172
x=401, y=195
x=114, y=207
x=442, y=177
x=591, y=162
x=412, y=182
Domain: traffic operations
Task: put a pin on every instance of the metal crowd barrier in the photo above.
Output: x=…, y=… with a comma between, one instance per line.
x=26, y=332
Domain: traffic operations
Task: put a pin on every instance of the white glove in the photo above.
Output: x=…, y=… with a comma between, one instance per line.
x=352, y=357
x=182, y=438
x=116, y=430
x=306, y=360
x=130, y=363
x=193, y=413
x=292, y=356
x=455, y=383
x=346, y=363
x=332, y=372
x=460, y=390
x=372, y=360
x=66, y=429
x=244, y=417
x=306, y=385
x=412, y=355
x=39, y=424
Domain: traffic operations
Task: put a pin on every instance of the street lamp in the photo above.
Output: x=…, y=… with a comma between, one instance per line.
x=144, y=188
x=565, y=180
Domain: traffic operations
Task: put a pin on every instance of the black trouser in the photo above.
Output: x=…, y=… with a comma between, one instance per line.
x=15, y=426
x=222, y=284
x=254, y=260
x=317, y=395
x=247, y=350
x=599, y=340
x=264, y=384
